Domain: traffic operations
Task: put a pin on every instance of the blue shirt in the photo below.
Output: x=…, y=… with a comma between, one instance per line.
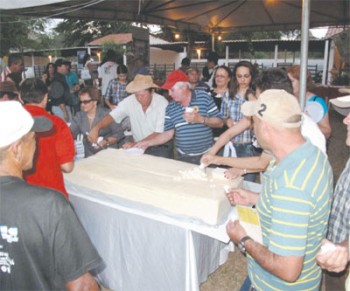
x=196, y=138
x=116, y=91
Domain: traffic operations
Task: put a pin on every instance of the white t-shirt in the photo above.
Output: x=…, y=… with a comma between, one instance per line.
x=107, y=72
x=142, y=123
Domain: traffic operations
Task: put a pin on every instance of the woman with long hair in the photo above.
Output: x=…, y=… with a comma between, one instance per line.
x=88, y=117
x=294, y=76
x=220, y=91
x=48, y=74
x=241, y=137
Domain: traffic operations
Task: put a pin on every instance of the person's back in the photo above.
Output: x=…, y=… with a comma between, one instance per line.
x=296, y=200
x=39, y=251
x=55, y=149
x=43, y=245
x=107, y=71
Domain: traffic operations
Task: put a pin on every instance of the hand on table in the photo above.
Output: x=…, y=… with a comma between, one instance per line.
x=233, y=173
x=142, y=145
x=92, y=136
x=128, y=145
x=208, y=159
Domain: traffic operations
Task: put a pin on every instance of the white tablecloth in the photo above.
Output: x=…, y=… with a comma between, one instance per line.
x=146, y=249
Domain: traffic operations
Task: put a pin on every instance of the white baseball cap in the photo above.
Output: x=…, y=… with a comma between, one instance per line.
x=15, y=122
x=341, y=104
x=277, y=107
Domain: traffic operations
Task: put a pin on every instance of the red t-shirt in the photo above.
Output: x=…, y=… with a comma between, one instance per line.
x=54, y=148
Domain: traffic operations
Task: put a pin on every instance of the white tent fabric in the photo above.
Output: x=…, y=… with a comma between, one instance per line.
x=206, y=15
x=15, y=4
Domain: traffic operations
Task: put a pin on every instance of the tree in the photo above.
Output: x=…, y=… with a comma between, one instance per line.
x=80, y=32
x=19, y=33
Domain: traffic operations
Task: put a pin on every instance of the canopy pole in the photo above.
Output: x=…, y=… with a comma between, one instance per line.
x=275, y=57
x=213, y=42
x=325, y=62
x=304, y=51
x=227, y=53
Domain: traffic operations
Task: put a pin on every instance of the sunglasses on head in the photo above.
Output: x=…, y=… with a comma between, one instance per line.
x=10, y=95
x=85, y=101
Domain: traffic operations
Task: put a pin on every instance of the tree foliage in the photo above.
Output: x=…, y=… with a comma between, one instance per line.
x=80, y=32
x=13, y=34
x=20, y=33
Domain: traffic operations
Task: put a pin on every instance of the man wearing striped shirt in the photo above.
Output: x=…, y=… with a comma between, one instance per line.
x=189, y=117
x=294, y=204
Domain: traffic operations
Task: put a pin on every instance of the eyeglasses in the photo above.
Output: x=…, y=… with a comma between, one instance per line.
x=85, y=101
x=221, y=76
x=243, y=76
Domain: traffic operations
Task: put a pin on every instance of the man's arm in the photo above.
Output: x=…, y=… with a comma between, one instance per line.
x=275, y=264
x=271, y=262
x=104, y=122
x=230, y=133
x=67, y=167
x=155, y=138
x=247, y=164
x=194, y=117
x=325, y=126
x=84, y=282
x=65, y=112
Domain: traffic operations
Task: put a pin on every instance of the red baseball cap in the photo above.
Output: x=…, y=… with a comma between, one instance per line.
x=173, y=78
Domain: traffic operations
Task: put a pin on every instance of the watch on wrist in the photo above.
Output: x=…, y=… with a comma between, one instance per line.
x=241, y=244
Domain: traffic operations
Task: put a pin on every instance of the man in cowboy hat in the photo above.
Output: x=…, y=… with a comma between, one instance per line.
x=146, y=111
x=43, y=245
x=189, y=117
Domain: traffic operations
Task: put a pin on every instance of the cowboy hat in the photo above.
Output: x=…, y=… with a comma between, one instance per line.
x=140, y=82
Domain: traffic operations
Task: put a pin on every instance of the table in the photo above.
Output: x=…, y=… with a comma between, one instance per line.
x=147, y=250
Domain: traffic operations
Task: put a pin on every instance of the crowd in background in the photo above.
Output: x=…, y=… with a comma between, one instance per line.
x=191, y=118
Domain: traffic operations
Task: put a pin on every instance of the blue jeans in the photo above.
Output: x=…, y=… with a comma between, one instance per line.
x=247, y=285
x=247, y=150
x=188, y=159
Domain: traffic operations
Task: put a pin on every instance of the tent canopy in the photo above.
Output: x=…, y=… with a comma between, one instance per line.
x=208, y=16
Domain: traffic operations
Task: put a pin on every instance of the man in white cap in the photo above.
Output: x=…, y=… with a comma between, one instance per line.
x=146, y=111
x=43, y=245
x=294, y=204
x=334, y=255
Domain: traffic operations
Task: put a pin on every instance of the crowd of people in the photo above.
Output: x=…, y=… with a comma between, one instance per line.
x=191, y=118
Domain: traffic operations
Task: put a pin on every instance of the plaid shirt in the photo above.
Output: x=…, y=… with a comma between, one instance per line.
x=339, y=220
x=231, y=108
x=116, y=91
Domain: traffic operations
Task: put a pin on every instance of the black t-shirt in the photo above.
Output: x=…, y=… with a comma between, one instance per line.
x=42, y=243
x=59, y=92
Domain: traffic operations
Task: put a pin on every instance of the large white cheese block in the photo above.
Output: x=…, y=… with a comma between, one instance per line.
x=174, y=186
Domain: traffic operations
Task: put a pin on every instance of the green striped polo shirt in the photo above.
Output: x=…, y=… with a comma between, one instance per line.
x=294, y=207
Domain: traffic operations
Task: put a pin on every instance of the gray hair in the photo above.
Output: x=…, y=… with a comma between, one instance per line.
x=182, y=84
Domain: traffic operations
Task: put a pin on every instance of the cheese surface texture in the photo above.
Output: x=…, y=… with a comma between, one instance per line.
x=177, y=187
